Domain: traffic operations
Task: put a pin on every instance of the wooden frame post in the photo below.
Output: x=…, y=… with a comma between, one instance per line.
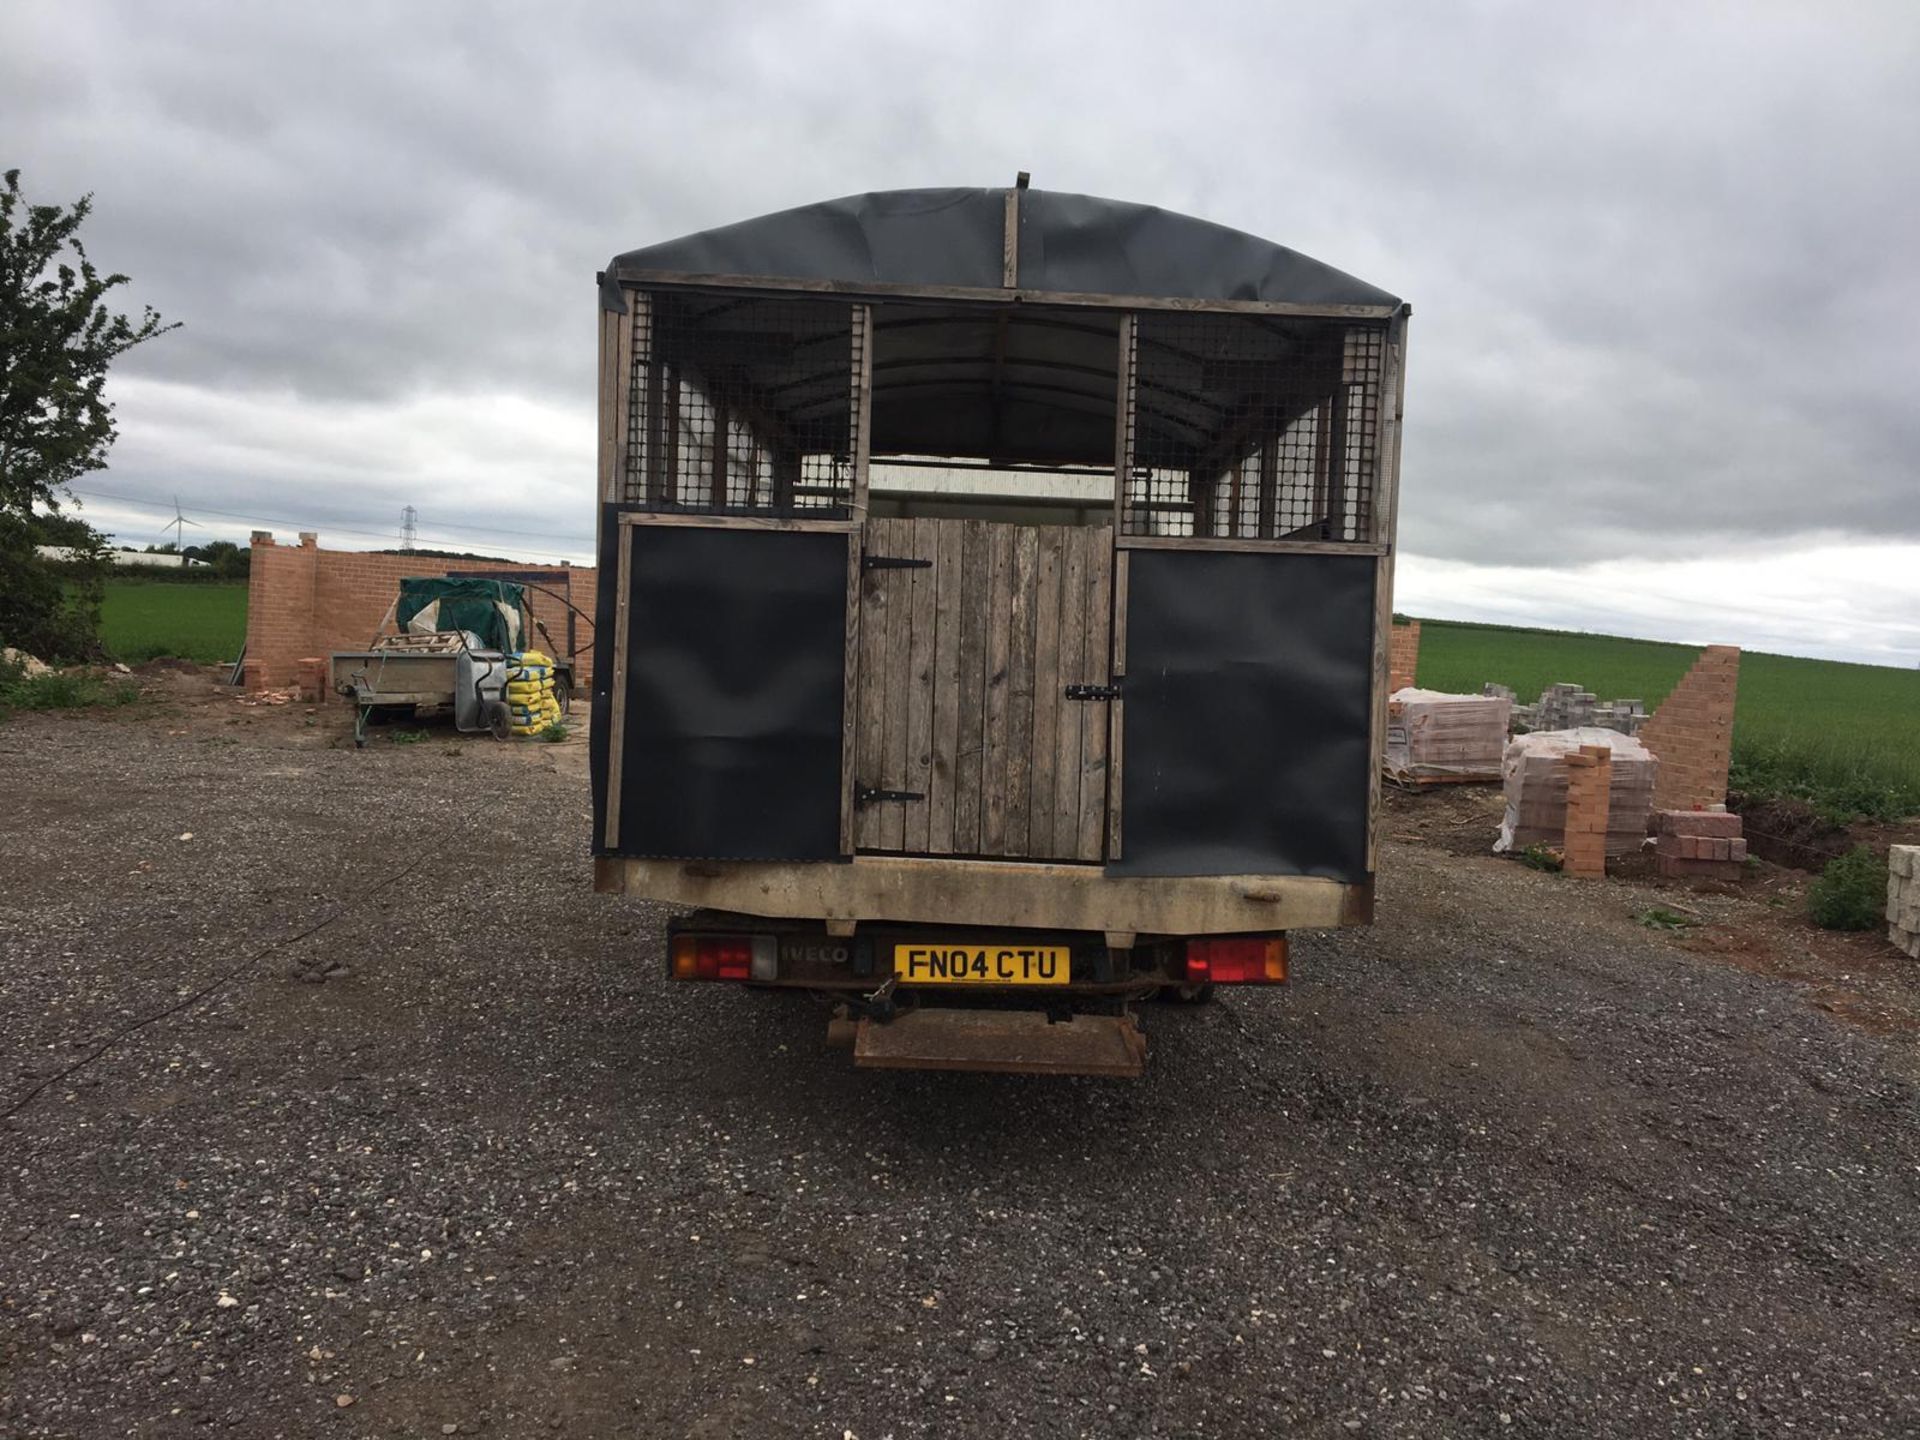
x=1123, y=419
x=861, y=402
x=1386, y=488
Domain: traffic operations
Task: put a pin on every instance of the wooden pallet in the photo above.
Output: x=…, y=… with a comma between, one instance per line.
x=1427, y=782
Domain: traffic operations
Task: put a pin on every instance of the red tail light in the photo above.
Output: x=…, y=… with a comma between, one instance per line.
x=1254, y=960
x=712, y=957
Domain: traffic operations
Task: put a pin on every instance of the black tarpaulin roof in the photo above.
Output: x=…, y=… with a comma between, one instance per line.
x=1070, y=244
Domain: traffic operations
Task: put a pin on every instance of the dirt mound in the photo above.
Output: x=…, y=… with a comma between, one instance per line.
x=1790, y=832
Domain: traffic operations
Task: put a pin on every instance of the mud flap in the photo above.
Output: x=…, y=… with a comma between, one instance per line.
x=1020, y=1042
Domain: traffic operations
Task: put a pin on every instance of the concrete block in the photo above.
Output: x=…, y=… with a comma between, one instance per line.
x=1903, y=860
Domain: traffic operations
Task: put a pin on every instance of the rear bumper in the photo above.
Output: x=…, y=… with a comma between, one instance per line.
x=809, y=958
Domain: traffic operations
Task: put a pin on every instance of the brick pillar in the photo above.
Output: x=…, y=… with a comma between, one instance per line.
x=1691, y=734
x=1589, y=795
x=312, y=679
x=1403, y=655
x=280, y=591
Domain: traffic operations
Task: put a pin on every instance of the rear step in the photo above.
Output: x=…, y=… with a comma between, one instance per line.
x=1018, y=1042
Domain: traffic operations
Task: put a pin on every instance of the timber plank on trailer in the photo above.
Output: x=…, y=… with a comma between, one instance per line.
x=1018, y=773
x=1046, y=690
x=944, y=757
x=923, y=614
x=971, y=730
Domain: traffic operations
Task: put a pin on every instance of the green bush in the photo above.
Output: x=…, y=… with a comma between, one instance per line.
x=1851, y=893
x=52, y=614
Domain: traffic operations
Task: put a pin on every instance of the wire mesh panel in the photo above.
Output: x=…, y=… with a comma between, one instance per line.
x=1251, y=427
x=743, y=405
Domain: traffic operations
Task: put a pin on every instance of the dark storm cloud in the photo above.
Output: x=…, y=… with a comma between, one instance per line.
x=1658, y=255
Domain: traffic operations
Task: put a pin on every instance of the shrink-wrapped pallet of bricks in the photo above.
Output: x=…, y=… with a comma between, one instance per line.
x=1534, y=774
x=1434, y=737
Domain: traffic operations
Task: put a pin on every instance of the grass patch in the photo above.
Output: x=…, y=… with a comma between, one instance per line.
x=62, y=690
x=409, y=737
x=144, y=619
x=1658, y=917
x=1833, y=734
x=553, y=734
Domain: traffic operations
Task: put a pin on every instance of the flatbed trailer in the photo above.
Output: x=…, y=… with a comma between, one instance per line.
x=454, y=669
x=994, y=610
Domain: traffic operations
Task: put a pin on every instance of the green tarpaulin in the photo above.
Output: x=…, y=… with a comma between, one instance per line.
x=487, y=609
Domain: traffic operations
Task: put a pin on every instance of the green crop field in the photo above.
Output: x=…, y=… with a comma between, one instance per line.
x=142, y=619
x=1846, y=737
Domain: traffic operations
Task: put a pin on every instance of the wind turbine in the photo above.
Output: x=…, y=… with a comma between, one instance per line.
x=177, y=525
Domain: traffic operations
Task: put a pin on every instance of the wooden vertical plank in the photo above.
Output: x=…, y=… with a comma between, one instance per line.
x=870, y=737
x=946, y=686
x=1010, y=242
x=862, y=341
x=891, y=537
x=632, y=325
x=1124, y=403
x=720, y=452
x=1047, y=699
x=1020, y=687
x=916, y=777
x=994, y=751
x=850, y=705
x=1073, y=643
x=654, y=409
x=1117, y=725
x=970, y=689
x=670, y=445
x=609, y=347
x=1385, y=518
x=1269, y=484
x=617, y=689
x=1095, y=717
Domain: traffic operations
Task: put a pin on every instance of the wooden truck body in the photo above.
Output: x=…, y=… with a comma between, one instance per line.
x=994, y=608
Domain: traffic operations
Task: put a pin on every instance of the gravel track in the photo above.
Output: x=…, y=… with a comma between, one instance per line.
x=1505, y=1164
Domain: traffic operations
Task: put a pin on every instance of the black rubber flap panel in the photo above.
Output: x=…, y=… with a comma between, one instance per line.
x=736, y=668
x=1248, y=703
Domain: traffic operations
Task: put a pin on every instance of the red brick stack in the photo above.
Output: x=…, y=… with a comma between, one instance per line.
x=311, y=679
x=1403, y=655
x=1699, y=844
x=1589, y=795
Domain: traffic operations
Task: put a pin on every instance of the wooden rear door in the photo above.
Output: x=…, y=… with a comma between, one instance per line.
x=966, y=744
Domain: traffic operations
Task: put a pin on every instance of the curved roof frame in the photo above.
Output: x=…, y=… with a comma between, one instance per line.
x=998, y=246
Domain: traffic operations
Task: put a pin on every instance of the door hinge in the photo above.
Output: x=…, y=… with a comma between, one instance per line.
x=893, y=562
x=1094, y=692
x=867, y=795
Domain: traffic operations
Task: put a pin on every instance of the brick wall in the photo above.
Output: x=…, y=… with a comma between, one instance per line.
x=1692, y=733
x=1403, y=655
x=303, y=601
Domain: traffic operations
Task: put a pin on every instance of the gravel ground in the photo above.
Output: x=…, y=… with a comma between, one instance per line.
x=1505, y=1164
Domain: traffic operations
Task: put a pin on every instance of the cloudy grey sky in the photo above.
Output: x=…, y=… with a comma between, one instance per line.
x=1662, y=258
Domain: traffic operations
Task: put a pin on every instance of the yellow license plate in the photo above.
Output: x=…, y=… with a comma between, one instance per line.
x=982, y=964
